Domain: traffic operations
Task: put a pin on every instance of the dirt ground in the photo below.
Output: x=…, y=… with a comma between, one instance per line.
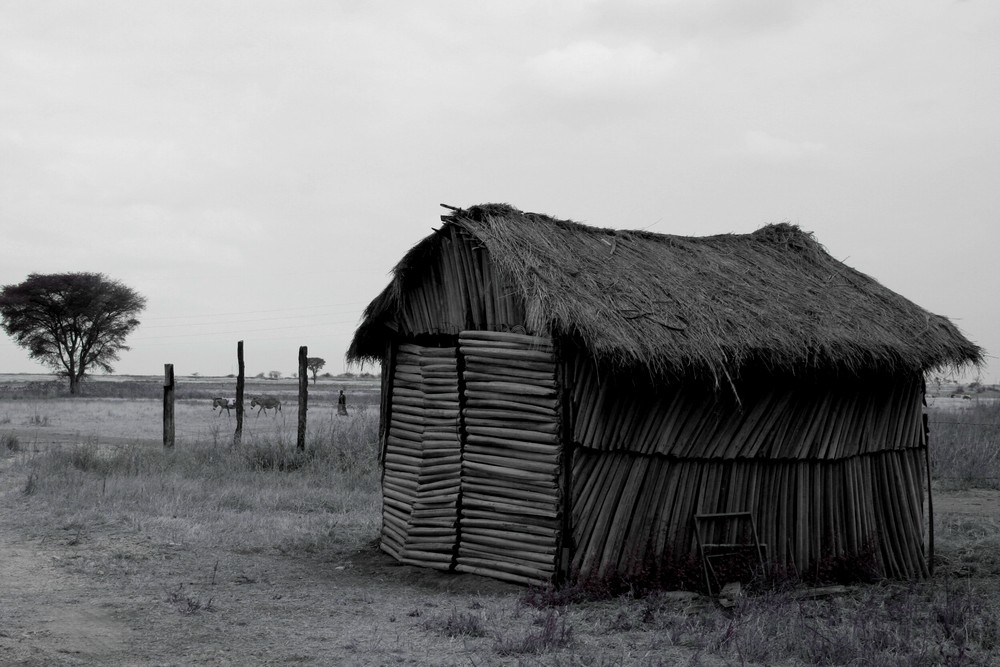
x=111, y=595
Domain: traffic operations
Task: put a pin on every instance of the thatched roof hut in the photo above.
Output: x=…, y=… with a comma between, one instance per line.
x=561, y=399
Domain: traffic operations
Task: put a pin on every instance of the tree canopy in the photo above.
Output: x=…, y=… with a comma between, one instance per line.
x=71, y=322
x=315, y=365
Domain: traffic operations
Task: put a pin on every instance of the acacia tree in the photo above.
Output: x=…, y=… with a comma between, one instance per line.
x=71, y=322
x=315, y=365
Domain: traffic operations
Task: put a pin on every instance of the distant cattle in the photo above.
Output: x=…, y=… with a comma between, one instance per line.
x=265, y=403
x=227, y=403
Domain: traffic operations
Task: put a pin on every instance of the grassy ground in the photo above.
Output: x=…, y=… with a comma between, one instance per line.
x=965, y=444
x=130, y=554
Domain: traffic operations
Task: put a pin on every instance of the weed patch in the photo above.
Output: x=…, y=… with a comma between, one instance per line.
x=551, y=632
x=456, y=624
x=188, y=604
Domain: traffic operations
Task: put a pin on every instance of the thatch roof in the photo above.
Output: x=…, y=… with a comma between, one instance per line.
x=678, y=305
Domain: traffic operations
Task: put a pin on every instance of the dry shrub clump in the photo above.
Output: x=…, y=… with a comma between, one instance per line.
x=549, y=632
x=457, y=624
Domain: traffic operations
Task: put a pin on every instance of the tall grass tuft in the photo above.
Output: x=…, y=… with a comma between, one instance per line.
x=551, y=632
x=965, y=446
x=457, y=624
x=347, y=445
x=275, y=456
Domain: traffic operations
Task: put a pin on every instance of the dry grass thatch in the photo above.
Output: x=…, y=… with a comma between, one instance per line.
x=710, y=306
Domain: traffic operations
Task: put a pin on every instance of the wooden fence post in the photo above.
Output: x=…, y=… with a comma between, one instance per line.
x=238, y=435
x=168, y=405
x=303, y=396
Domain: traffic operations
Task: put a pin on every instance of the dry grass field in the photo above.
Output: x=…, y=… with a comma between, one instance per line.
x=114, y=551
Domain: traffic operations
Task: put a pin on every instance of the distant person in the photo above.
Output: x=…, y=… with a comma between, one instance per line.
x=342, y=404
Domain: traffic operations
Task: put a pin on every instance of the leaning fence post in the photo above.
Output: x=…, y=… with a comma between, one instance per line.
x=238, y=435
x=168, y=405
x=303, y=396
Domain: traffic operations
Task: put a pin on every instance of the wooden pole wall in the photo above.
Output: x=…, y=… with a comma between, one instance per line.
x=511, y=459
x=463, y=291
x=632, y=509
x=775, y=422
x=422, y=468
x=828, y=473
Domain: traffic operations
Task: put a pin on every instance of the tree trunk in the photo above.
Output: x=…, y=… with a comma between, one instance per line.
x=74, y=384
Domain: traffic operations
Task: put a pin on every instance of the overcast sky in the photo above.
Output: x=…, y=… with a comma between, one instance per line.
x=255, y=169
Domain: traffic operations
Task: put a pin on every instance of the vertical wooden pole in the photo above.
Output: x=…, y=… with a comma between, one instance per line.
x=240, y=379
x=168, y=405
x=303, y=396
x=930, y=498
x=388, y=367
x=564, y=382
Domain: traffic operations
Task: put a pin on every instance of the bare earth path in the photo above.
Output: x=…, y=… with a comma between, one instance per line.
x=106, y=594
x=111, y=597
x=48, y=615
x=51, y=616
